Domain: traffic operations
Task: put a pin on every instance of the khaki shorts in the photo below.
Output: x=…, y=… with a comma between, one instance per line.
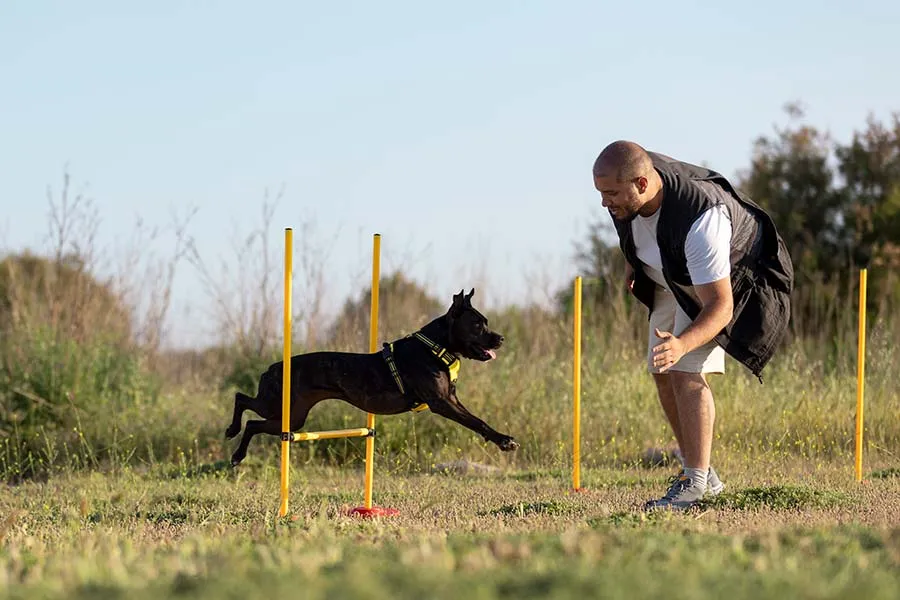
x=668, y=316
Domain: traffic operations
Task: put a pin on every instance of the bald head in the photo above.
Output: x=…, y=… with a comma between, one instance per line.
x=628, y=183
x=624, y=161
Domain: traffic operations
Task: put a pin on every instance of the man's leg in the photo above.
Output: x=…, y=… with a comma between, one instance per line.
x=663, y=318
x=693, y=420
x=687, y=401
x=670, y=408
x=696, y=415
x=667, y=400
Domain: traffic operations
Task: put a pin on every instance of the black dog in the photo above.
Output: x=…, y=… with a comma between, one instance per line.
x=412, y=373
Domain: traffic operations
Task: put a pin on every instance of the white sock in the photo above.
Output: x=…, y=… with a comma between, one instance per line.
x=697, y=476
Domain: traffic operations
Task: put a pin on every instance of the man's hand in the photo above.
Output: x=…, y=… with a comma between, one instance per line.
x=668, y=352
x=715, y=314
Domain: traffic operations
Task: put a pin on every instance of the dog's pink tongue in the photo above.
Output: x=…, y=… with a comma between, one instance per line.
x=492, y=354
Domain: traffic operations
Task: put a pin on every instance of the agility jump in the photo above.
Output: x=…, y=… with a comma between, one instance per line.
x=287, y=436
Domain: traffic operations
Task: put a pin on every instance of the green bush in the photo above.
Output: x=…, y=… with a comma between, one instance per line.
x=61, y=389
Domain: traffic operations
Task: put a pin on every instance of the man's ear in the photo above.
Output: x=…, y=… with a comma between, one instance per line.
x=641, y=183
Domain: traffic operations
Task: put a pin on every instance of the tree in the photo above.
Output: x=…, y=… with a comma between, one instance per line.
x=870, y=167
x=837, y=207
x=791, y=178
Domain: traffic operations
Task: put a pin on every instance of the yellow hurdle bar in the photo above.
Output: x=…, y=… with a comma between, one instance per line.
x=373, y=343
x=576, y=389
x=328, y=435
x=286, y=380
x=860, y=372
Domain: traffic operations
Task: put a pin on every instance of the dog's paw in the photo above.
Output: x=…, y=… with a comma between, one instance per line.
x=232, y=431
x=508, y=444
x=236, y=458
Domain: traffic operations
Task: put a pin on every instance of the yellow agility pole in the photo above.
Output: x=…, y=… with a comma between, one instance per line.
x=860, y=372
x=367, y=509
x=576, y=390
x=373, y=343
x=286, y=378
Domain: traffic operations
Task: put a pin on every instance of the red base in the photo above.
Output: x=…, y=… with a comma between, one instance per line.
x=375, y=511
x=579, y=490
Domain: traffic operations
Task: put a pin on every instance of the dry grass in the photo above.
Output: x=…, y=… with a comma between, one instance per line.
x=155, y=533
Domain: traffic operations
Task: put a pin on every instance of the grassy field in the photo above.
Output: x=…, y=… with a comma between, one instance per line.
x=115, y=482
x=133, y=499
x=783, y=529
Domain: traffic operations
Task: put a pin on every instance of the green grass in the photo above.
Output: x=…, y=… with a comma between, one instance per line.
x=790, y=416
x=521, y=509
x=886, y=473
x=117, y=484
x=138, y=500
x=781, y=496
x=213, y=533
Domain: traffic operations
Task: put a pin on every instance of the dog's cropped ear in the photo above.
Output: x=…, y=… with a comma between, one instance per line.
x=469, y=297
x=458, y=301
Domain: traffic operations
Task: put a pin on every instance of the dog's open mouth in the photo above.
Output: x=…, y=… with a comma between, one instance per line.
x=488, y=354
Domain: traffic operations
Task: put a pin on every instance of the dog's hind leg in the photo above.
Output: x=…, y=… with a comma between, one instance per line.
x=270, y=426
x=241, y=403
x=266, y=404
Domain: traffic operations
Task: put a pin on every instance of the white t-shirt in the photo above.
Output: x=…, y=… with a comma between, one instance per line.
x=707, y=247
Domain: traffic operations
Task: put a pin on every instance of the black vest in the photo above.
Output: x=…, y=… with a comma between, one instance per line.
x=762, y=275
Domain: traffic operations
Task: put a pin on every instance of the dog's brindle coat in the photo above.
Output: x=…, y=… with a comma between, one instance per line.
x=365, y=381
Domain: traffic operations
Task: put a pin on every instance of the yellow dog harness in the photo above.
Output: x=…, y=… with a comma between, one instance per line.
x=450, y=360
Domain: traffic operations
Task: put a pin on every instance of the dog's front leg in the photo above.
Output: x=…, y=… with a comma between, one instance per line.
x=454, y=410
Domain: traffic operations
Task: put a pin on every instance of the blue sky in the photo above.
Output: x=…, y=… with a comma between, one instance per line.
x=462, y=132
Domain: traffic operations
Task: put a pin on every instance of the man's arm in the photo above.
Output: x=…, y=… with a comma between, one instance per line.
x=717, y=307
x=707, y=250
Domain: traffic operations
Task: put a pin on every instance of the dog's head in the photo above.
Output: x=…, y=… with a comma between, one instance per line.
x=469, y=334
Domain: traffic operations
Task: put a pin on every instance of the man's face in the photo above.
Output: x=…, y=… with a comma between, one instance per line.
x=623, y=199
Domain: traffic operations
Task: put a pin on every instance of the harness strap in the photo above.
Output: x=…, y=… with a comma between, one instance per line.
x=450, y=360
x=388, y=353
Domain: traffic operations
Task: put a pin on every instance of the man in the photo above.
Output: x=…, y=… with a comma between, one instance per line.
x=716, y=277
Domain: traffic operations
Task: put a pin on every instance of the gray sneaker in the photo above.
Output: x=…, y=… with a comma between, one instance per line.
x=714, y=485
x=683, y=493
